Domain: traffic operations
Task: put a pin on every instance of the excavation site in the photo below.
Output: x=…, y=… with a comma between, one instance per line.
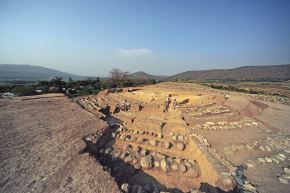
x=174, y=137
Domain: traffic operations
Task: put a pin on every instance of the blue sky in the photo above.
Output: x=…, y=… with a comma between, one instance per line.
x=90, y=37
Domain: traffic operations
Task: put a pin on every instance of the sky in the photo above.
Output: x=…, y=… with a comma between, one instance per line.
x=163, y=37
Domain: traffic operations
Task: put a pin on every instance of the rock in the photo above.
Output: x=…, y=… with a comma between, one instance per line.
x=281, y=157
x=123, y=155
x=159, y=136
x=134, y=161
x=192, y=162
x=283, y=180
x=182, y=168
x=122, y=137
x=152, y=142
x=261, y=160
x=125, y=187
x=262, y=148
x=167, y=145
x=147, y=161
x=108, y=150
x=180, y=146
x=226, y=174
x=286, y=170
x=286, y=176
x=156, y=164
x=255, y=123
x=268, y=148
x=287, y=150
x=134, y=139
x=228, y=182
x=164, y=165
x=174, y=138
x=128, y=159
x=268, y=159
x=126, y=146
x=250, y=165
x=180, y=138
x=136, y=149
x=275, y=160
x=116, y=154
x=194, y=191
x=144, y=152
x=113, y=135
x=140, y=140
x=174, y=166
x=210, y=123
x=192, y=173
x=206, y=143
x=160, y=156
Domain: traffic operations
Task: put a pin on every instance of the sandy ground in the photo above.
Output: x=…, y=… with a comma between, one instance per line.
x=40, y=141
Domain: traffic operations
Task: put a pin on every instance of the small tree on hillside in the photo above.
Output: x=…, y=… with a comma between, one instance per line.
x=118, y=77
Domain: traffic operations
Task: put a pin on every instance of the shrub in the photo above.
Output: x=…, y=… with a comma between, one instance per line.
x=23, y=90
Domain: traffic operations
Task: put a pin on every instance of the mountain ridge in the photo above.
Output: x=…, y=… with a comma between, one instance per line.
x=240, y=73
x=26, y=72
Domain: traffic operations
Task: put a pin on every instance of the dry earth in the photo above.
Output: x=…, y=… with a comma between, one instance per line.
x=195, y=146
x=40, y=141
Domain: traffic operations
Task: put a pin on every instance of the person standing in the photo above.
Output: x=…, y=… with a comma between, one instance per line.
x=174, y=104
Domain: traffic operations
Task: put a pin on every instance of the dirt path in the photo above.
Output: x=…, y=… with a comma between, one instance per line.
x=40, y=140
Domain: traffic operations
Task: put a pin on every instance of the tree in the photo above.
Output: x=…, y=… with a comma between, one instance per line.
x=118, y=77
x=57, y=81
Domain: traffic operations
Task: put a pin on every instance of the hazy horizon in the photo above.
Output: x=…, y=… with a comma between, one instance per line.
x=90, y=38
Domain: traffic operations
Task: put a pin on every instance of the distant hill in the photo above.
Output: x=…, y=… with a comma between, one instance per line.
x=271, y=72
x=11, y=72
x=145, y=76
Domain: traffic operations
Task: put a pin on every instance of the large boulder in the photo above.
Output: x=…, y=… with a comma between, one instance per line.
x=147, y=161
